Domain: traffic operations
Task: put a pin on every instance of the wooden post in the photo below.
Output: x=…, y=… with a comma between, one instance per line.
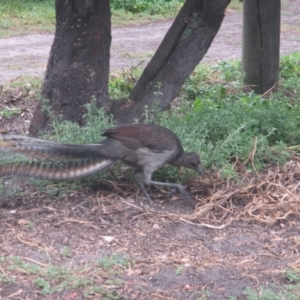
x=261, y=38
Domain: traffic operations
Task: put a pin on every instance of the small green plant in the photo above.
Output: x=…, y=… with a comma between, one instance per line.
x=44, y=286
x=8, y=112
x=6, y=279
x=112, y=261
x=290, y=291
x=66, y=251
x=293, y=276
x=179, y=270
x=30, y=224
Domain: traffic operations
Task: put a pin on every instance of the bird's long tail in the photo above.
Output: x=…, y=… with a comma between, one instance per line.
x=50, y=160
x=43, y=149
x=54, y=170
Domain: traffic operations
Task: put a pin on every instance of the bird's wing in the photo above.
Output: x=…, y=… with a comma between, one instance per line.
x=135, y=136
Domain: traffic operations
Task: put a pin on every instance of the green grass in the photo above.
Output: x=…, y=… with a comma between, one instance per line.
x=26, y=16
x=50, y=278
x=288, y=291
x=8, y=112
x=17, y=17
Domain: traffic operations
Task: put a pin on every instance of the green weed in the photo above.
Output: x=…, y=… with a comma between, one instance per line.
x=53, y=278
x=290, y=291
x=9, y=112
x=109, y=263
x=66, y=251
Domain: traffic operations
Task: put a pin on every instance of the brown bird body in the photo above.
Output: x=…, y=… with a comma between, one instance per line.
x=144, y=147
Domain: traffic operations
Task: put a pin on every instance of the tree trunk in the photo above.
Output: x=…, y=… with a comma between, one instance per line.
x=261, y=37
x=78, y=66
x=183, y=47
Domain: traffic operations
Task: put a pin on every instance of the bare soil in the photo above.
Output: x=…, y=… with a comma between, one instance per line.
x=170, y=257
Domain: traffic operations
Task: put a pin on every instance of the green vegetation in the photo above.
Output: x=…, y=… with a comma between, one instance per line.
x=290, y=291
x=26, y=16
x=50, y=278
x=21, y=16
x=8, y=112
x=156, y=7
x=216, y=117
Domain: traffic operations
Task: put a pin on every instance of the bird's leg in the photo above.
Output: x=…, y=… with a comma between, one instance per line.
x=185, y=195
x=144, y=190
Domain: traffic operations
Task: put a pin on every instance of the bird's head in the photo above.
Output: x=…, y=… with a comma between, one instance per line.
x=192, y=161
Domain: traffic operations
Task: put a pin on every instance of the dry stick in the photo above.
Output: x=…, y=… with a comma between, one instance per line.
x=77, y=221
x=113, y=175
x=36, y=262
x=130, y=204
x=208, y=225
x=162, y=297
x=253, y=154
x=19, y=292
x=29, y=243
x=270, y=89
x=3, y=271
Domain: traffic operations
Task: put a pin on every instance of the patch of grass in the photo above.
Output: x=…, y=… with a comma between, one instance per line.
x=290, y=291
x=112, y=262
x=120, y=85
x=26, y=87
x=8, y=112
x=68, y=132
x=39, y=15
x=156, y=7
x=50, y=279
x=236, y=5
x=66, y=251
x=179, y=270
x=26, y=16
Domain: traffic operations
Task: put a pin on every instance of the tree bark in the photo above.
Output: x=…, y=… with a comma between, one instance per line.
x=78, y=66
x=261, y=44
x=183, y=47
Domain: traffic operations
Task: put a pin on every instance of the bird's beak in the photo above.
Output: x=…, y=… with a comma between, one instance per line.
x=200, y=171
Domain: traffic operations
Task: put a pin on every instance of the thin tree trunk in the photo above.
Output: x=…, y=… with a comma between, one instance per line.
x=183, y=47
x=78, y=66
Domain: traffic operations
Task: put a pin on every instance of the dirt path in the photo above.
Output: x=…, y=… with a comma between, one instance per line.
x=28, y=54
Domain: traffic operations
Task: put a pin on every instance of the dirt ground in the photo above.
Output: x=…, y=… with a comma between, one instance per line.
x=169, y=256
